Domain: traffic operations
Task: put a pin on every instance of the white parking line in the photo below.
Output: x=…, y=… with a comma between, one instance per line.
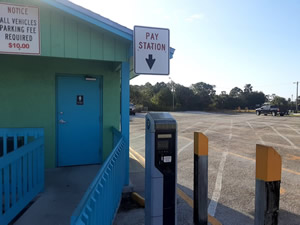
x=187, y=145
x=218, y=186
x=138, y=149
x=285, y=138
x=211, y=127
x=136, y=124
x=191, y=126
x=137, y=137
x=250, y=125
x=293, y=129
x=184, y=147
x=261, y=140
x=186, y=138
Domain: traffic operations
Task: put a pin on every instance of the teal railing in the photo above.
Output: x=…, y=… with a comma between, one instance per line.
x=100, y=202
x=21, y=169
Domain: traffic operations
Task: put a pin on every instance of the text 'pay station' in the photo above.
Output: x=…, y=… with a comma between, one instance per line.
x=151, y=50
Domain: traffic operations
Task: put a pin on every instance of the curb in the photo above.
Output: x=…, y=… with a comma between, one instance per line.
x=138, y=199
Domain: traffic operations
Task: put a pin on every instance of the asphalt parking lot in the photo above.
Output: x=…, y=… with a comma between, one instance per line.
x=232, y=150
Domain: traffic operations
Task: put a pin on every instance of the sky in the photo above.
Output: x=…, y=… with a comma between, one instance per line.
x=223, y=43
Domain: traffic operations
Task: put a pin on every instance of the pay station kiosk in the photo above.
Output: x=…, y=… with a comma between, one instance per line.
x=161, y=169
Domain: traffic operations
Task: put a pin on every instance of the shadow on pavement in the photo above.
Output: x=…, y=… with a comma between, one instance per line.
x=288, y=218
x=229, y=216
x=224, y=214
x=131, y=213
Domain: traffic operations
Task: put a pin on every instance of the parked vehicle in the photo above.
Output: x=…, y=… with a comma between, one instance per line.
x=131, y=109
x=272, y=109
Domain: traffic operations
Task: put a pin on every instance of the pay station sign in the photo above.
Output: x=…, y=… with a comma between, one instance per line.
x=151, y=50
x=19, y=29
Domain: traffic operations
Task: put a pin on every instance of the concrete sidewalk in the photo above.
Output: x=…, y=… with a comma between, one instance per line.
x=64, y=188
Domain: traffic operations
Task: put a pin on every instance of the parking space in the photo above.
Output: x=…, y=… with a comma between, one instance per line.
x=232, y=151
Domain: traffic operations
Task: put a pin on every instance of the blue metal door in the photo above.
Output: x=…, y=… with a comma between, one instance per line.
x=78, y=121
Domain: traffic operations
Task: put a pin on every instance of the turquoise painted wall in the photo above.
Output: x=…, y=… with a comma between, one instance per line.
x=28, y=95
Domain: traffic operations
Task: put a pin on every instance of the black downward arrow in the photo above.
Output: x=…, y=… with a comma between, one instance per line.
x=150, y=61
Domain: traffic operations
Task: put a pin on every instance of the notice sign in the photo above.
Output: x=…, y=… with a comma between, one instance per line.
x=19, y=29
x=151, y=50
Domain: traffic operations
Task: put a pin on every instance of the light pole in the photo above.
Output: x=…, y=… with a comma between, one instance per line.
x=297, y=82
x=173, y=90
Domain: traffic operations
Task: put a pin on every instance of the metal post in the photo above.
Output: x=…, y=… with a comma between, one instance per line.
x=267, y=189
x=297, y=82
x=292, y=103
x=173, y=90
x=200, y=178
x=297, y=98
x=173, y=95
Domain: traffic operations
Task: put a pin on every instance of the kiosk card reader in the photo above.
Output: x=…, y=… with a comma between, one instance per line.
x=161, y=169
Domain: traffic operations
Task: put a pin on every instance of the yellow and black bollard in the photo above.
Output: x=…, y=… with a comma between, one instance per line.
x=200, y=178
x=267, y=189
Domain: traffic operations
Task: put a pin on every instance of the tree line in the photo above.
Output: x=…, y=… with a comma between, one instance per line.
x=200, y=96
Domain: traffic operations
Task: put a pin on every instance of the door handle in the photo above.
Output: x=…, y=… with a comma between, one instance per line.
x=62, y=121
